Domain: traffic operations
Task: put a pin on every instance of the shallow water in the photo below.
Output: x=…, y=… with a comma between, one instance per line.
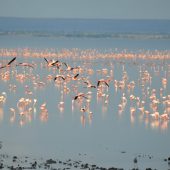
x=115, y=128
x=104, y=134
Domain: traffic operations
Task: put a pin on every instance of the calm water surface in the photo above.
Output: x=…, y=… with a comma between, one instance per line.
x=105, y=134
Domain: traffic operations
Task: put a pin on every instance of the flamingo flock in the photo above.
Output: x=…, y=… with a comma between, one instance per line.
x=88, y=79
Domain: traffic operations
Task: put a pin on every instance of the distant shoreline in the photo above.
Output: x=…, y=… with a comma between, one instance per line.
x=59, y=18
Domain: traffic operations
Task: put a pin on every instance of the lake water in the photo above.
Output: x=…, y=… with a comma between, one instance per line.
x=113, y=130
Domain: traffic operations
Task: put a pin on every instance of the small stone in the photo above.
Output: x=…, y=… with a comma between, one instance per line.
x=50, y=161
x=101, y=168
x=69, y=164
x=1, y=166
x=84, y=166
x=112, y=168
x=34, y=165
x=123, y=152
x=68, y=160
x=135, y=160
x=15, y=157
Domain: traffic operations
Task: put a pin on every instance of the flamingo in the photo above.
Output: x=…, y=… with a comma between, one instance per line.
x=89, y=85
x=102, y=81
x=52, y=63
x=80, y=95
x=25, y=65
x=9, y=63
x=69, y=68
x=75, y=77
x=59, y=76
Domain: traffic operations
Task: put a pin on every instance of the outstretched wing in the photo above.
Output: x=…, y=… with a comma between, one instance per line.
x=45, y=59
x=86, y=82
x=25, y=65
x=107, y=84
x=2, y=67
x=76, y=76
x=55, y=63
x=12, y=61
x=76, y=97
x=65, y=64
x=98, y=83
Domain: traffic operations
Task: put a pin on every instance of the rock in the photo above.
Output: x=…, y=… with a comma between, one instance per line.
x=165, y=159
x=10, y=167
x=68, y=160
x=148, y=168
x=135, y=160
x=101, y=168
x=50, y=161
x=84, y=166
x=169, y=159
x=1, y=166
x=69, y=164
x=14, y=158
x=112, y=168
x=34, y=165
x=123, y=152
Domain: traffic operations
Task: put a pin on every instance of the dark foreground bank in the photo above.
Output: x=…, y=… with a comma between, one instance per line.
x=13, y=162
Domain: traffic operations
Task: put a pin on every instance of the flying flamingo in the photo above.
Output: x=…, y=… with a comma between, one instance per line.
x=69, y=68
x=80, y=95
x=25, y=65
x=102, y=81
x=59, y=76
x=75, y=77
x=9, y=63
x=89, y=85
x=52, y=63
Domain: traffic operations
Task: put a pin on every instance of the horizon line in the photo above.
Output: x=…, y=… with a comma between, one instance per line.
x=20, y=17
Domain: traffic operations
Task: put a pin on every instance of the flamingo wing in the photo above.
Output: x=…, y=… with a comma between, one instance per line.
x=12, y=61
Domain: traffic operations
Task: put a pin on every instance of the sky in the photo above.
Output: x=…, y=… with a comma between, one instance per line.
x=110, y=9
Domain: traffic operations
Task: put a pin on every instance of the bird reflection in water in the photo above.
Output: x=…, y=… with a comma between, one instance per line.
x=43, y=113
x=1, y=114
x=3, y=98
x=13, y=115
x=86, y=116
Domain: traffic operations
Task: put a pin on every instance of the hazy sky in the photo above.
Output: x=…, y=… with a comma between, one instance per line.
x=116, y=9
